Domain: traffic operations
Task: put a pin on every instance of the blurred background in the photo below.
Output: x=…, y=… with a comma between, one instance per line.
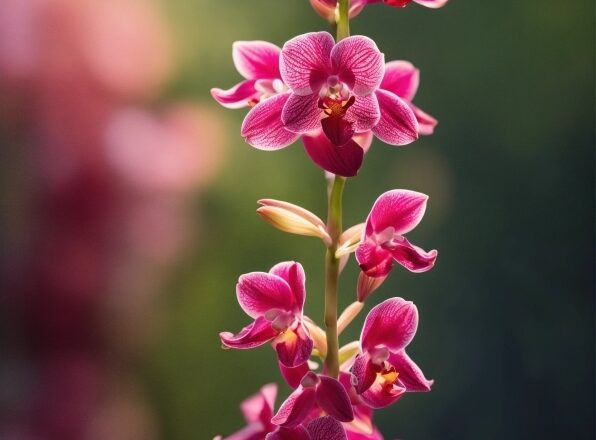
x=128, y=201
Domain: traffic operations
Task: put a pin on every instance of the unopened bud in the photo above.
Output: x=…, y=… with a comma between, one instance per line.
x=348, y=351
x=367, y=285
x=348, y=316
x=349, y=240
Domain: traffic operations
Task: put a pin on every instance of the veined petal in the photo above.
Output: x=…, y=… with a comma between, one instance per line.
x=391, y=324
x=367, y=285
x=432, y=3
x=355, y=435
x=263, y=129
x=305, y=62
x=398, y=125
x=362, y=423
x=412, y=257
x=374, y=260
x=364, y=113
x=259, y=406
x=238, y=96
x=358, y=63
x=253, y=335
x=401, y=78
x=295, y=408
x=293, y=375
x=253, y=431
x=400, y=209
x=426, y=123
x=363, y=372
x=256, y=59
x=294, y=347
x=301, y=114
x=259, y=292
x=295, y=433
x=380, y=395
x=345, y=160
x=293, y=273
x=333, y=399
x=326, y=428
x=410, y=374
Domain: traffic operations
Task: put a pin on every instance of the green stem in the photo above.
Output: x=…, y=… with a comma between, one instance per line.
x=343, y=21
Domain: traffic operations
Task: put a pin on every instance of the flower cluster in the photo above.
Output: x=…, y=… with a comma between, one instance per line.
x=335, y=96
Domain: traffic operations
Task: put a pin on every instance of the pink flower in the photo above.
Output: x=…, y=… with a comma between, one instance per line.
x=327, y=8
x=383, y=371
x=321, y=428
x=393, y=214
x=275, y=301
x=257, y=410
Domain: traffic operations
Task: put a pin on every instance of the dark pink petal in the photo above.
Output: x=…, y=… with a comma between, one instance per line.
x=412, y=257
x=375, y=261
x=401, y=78
x=362, y=423
x=375, y=435
x=301, y=114
x=333, y=399
x=380, y=396
x=367, y=285
x=262, y=128
x=337, y=129
x=296, y=433
x=358, y=63
x=293, y=375
x=305, y=62
x=398, y=125
x=294, y=348
x=259, y=406
x=296, y=407
x=326, y=428
x=345, y=160
x=238, y=96
x=364, y=113
x=400, y=209
x=256, y=59
x=410, y=374
x=391, y=324
x=253, y=335
x=259, y=292
x=426, y=122
x=293, y=274
x=432, y=3
x=253, y=431
x=364, y=373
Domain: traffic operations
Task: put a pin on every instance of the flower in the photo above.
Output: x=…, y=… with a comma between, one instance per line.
x=328, y=8
x=383, y=371
x=257, y=410
x=275, y=300
x=393, y=214
x=321, y=428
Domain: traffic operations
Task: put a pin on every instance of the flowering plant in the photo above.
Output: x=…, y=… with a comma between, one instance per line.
x=334, y=95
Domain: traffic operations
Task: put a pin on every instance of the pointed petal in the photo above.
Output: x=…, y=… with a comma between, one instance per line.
x=380, y=396
x=333, y=399
x=362, y=423
x=426, y=123
x=367, y=285
x=305, y=62
x=298, y=210
x=410, y=374
x=256, y=59
x=253, y=335
x=374, y=435
x=432, y=3
x=364, y=113
x=398, y=125
x=253, y=431
x=358, y=63
x=259, y=404
x=262, y=128
x=374, y=260
x=412, y=257
x=401, y=78
x=259, y=292
x=364, y=373
x=295, y=433
x=294, y=347
x=295, y=408
x=238, y=96
x=301, y=114
x=293, y=274
x=337, y=129
x=293, y=375
x=326, y=428
x=391, y=324
x=345, y=160
x=399, y=209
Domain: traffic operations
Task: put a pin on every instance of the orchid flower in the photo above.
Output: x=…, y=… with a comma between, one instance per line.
x=321, y=428
x=383, y=371
x=328, y=8
x=275, y=301
x=393, y=214
x=257, y=411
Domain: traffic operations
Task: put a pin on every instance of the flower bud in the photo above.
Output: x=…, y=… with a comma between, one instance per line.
x=348, y=316
x=367, y=285
x=349, y=240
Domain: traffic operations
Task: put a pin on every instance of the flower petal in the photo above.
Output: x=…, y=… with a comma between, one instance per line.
x=412, y=257
x=256, y=59
x=426, y=123
x=301, y=114
x=398, y=125
x=259, y=406
x=391, y=324
x=262, y=128
x=380, y=396
x=305, y=62
x=326, y=428
x=410, y=374
x=293, y=273
x=367, y=285
x=295, y=433
x=293, y=375
x=259, y=292
x=401, y=78
x=345, y=160
x=294, y=347
x=253, y=335
x=337, y=129
x=334, y=400
x=363, y=372
x=358, y=63
x=374, y=260
x=432, y=3
x=400, y=209
x=238, y=96
x=295, y=408
x=253, y=431
x=364, y=113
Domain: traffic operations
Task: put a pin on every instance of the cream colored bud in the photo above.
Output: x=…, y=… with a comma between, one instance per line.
x=348, y=351
x=348, y=316
x=349, y=240
x=318, y=336
x=367, y=285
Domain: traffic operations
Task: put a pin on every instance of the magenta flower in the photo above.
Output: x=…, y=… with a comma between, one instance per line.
x=321, y=428
x=275, y=301
x=257, y=411
x=393, y=214
x=383, y=371
x=327, y=8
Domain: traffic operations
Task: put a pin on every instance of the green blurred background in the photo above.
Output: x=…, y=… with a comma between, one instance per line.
x=506, y=317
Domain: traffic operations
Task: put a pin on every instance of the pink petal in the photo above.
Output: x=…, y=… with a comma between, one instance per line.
x=259, y=292
x=301, y=114
x=364, y=373
x=256, y=59
x=345, y=160
x=293, y=274
x=305, y=62
x=254, y=431
x=253, y=335
x=333, y=399
x=337, y=129
x=364, y=140
x=259, y=406
x=367, y=285
x=412, y=257
x=426, y=123
x=326, y=428
x=379, y=396
x=295, y=350
x=238, y=96
x=296, y=433
x=398, y=125
x=295, y=408
x=432, y=3
x=391, y=324
x=358, y=63
x=410, y=374
x=375, y=261
x=364, y=113
x=375, y=435
x=401, y=78
x=293, y=375
x=262, y=128
x=399, y=209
